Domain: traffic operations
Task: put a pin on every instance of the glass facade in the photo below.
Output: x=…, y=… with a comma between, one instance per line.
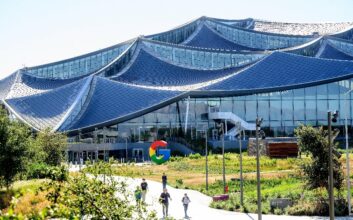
x=200, y=59
x=265, y=41
x=282, y=111
x=79, y=66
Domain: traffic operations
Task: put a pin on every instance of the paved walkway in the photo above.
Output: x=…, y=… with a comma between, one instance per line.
x=199, y=207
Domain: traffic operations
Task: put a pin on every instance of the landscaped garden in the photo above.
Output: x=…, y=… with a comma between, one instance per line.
x=280, y=178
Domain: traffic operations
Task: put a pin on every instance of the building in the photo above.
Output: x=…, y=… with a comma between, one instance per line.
x=177, y=84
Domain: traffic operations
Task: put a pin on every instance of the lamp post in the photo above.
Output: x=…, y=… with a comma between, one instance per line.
x=331, y=117
x=206, y=149
x=221, y=127
x=126, y=154
x=259, y=212
x=347, y=153
x=241, y=167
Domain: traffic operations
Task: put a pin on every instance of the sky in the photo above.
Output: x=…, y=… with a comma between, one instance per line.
x=34, y=32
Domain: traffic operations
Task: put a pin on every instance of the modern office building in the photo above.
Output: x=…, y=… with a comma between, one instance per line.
x=177, y=84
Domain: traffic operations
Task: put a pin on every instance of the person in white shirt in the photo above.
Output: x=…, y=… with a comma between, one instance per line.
x=186, y=200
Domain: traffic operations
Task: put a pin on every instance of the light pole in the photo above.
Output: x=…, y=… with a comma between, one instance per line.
x=347, y=153
x=259, y=212
x=206, y=133
x=221, y=126
x=331, y=117
x=126, y=149
x=241, y=167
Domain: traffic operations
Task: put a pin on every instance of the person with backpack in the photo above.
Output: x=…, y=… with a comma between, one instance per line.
x=186, y=200
x=164, y=181
x=164, y=200
x=144, y=187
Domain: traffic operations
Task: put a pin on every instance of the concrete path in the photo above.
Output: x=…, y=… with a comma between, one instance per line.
x=199, y=207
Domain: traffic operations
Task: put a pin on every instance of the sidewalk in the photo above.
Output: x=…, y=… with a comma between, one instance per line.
x=199, y=207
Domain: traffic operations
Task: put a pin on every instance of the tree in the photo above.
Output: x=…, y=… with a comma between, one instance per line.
x=15, y=138
x=49, y=147
x=314, y=142
x=93, y=195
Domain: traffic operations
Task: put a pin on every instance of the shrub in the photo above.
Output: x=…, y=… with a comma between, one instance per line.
x=179, y=182
x=195, y=156
x=37, y=171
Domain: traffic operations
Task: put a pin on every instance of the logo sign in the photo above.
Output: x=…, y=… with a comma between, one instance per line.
x=164, y=154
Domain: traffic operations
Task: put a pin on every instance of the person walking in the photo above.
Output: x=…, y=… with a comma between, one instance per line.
x=164, y=199
x=144, y=188
x=186, y=200
x=164, y=181
x=138, y=195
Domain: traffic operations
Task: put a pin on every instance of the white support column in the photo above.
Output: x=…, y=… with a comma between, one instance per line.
x=187, y=114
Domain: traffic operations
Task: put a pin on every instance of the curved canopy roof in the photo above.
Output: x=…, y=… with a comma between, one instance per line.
x=205, y=57
x=208, y=38
x=282, y=71
x=45, y=110
x=114, y=102
x=149, y=70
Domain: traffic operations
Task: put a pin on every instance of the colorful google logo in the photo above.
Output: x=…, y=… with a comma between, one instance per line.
x=164, y=154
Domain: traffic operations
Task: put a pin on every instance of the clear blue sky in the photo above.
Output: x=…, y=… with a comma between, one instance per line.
x=34, y=32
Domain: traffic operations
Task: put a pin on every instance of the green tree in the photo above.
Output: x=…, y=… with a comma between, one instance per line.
x=314, y=142
x=15, y=139
x=93, y=192
x=49, y=147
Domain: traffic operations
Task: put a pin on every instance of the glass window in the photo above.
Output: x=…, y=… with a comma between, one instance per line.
x=344, y=109
x=333, y=105
x=321, y=91
x=275, y=95
x=298, y=110
x=287, y=94
x=163, y=115
x=321, y=109
x=263, y=110
x=298, y=93
x=275, y=106
x=310, y=93
x=226, y=106
x=239, y=108
x=287, y=110
x=150, y=118
x=310, y=109
x=333, y=90
x=250, y=110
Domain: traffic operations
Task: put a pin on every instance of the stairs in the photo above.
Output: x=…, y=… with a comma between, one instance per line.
x=233, y=119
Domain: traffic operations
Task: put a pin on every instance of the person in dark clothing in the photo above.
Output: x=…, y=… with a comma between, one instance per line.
x=164, y=181
x=144, y=187
x=164, y=199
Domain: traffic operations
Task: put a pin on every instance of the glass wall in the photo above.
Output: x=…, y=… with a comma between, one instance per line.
x=260, y=40
x=282, y=112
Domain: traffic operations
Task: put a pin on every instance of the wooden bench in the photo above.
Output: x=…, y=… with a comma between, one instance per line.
x=283, y=149
x=222, y=197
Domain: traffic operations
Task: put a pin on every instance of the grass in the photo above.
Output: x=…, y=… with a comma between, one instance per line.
x=192, y=170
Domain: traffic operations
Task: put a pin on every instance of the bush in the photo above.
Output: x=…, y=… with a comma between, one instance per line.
x=179, y=182
x=195, y=156
x=37, y=171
